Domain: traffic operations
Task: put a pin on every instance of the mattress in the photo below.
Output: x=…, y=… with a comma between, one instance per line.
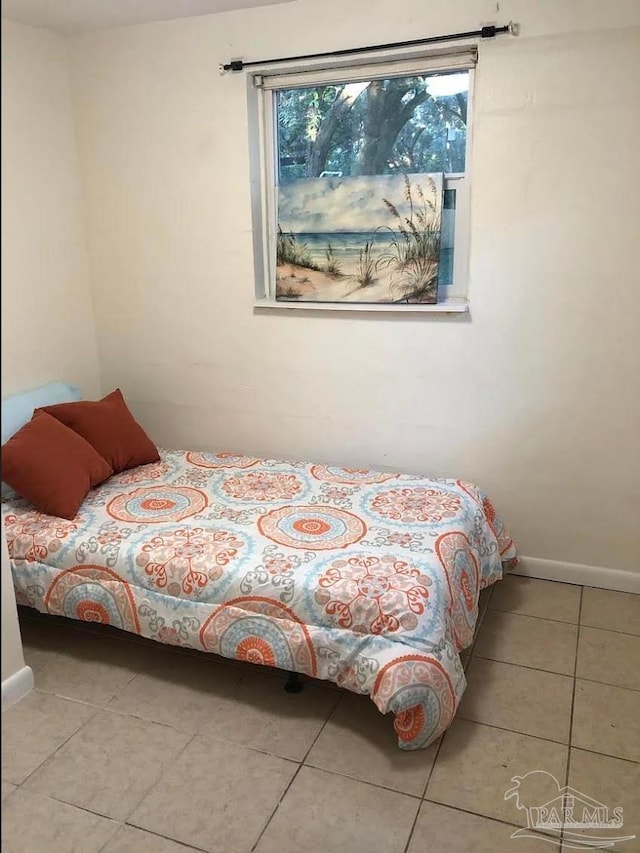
x=364, y=578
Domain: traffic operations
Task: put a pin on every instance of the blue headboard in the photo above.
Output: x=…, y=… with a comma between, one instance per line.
x=18, y=408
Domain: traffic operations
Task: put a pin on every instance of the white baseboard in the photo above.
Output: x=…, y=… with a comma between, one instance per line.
x=16, y=687
x=556, y=570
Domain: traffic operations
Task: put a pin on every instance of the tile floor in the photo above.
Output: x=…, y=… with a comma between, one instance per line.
x=130, y=747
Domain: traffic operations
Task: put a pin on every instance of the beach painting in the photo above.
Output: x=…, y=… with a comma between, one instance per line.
x=372, y=238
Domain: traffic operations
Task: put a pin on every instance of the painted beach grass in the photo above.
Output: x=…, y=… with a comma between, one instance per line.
x=360, y=239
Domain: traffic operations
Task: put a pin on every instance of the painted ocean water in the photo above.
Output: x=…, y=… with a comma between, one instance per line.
x=346, y=247
x=325, y=223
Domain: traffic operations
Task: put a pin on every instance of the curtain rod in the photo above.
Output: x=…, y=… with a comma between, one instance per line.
x=485, y=33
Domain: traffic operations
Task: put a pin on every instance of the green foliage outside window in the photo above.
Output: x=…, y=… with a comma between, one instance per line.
x=401, y=124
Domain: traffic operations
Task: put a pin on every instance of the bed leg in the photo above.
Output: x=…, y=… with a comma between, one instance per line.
x=293, y=685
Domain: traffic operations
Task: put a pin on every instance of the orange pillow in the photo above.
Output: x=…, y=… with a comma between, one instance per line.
x=52, y=466
x=110, y=428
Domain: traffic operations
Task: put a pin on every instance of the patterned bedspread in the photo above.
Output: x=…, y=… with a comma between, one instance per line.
x=368, y=579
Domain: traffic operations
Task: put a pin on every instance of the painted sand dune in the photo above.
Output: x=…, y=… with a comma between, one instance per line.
x=364, y=239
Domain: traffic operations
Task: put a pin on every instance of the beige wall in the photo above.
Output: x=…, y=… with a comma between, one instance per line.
x=535, y=396
x=12, y=659
x=48, y=330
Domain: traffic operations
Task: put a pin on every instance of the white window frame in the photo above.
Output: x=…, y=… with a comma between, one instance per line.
x=262, y=87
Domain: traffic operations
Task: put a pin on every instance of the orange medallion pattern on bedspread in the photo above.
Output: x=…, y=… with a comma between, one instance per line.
x=314, y=527
x=182, y=562
x=262, y=486
x=365, y=578
x=220, y=460
x=33, y=536
x=93, y=594
x=260, y=630
x=349, y=476
x=373, y=595
x=154, y=504
x=415, y=504
x=461, y=569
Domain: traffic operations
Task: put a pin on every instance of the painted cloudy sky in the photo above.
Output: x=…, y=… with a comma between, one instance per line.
x=320, y=205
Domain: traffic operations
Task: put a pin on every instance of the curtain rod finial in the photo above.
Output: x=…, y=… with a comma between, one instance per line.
x=232, y=65
x=514, y=29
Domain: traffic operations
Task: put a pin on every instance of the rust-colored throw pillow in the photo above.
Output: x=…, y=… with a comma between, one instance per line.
x=110, y=428
x=52, y=466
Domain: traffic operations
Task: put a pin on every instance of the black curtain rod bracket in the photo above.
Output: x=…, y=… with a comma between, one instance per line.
x=487, y=32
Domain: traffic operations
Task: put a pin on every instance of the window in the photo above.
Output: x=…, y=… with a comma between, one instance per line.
x=365, y=185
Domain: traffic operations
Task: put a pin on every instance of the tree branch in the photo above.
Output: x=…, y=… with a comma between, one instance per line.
x=320, y=147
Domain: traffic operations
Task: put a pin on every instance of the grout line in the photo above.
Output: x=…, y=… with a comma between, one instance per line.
x=120, y=824
x=608, y=684
x=10, y=794
x=555, y=672
x=155, y=784
x=424, y=790
x=159, y=835
x=72, y=735
x=364, y=781
x=573, y=699
x=513, y=731
x=476, y=632
x=535, y=669
x=277, y=806
x=548, y=740
x=469, y=652
x=532, y=616
x=108, y=709
x=60, y=799
x=206, y=736
x=538, y=737
x=432, y=768
x=606, y=755
x=412, y=830
x=564, y=621
x=67, y=698
x=609, y=630
x=213, y=738
x=301, y=764
x=499, y=820
x=103, y=814
x=82, y=809
x=110, y=838
x=85, y=702
x=322, y=727
x=150, y=832
x=57, y=749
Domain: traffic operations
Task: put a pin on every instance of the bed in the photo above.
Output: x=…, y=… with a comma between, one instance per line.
x=367, y=579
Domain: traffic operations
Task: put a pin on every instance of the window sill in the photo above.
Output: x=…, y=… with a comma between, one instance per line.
x=452, y=305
